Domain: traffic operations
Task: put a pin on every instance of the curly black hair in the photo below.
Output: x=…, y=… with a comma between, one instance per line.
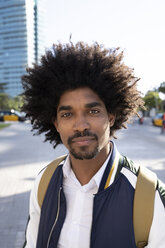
x=69, y=66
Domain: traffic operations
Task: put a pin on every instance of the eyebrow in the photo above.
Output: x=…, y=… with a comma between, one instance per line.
x=88, y=105
x=93, y=104
x=61, y=108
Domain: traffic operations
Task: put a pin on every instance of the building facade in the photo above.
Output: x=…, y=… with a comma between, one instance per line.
x=21, y=40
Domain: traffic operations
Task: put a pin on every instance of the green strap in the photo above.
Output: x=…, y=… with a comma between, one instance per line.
x=144, y=205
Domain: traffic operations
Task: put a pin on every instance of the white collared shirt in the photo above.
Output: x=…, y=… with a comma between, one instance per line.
x=77, y=234
x=76, y=229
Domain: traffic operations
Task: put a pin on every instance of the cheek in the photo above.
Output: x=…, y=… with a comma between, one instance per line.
x=106, y=125
x=107, y=130
x=64, y=138
x=63, y=132
x=104, y=130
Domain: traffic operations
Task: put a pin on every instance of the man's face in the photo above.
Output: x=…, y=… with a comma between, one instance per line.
x=83, y=123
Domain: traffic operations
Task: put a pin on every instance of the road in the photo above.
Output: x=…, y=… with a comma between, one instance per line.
x=144, y=145
x=23, y=155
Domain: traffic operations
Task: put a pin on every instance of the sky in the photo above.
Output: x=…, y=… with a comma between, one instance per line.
x=136, y=26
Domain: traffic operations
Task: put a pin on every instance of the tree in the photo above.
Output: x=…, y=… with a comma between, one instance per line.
x=16, y=102
x=2, y=87
x=152, y=100
x=7, y=102
x=3, y=96
x=162, y=87
x=4, y=101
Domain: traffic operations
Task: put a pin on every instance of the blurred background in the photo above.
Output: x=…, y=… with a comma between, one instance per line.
x=27, y=29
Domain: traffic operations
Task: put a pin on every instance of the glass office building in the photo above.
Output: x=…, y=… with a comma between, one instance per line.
x=21, y=40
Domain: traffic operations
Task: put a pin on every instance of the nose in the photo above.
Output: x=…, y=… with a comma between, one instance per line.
x=81, y=123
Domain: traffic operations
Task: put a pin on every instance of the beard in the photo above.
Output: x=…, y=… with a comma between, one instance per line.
x=84, y=152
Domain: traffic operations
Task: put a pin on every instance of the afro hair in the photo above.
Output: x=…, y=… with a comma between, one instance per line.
x=68, y=67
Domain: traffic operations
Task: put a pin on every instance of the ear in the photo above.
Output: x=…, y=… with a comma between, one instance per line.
x=55, y=123
x=112, y=118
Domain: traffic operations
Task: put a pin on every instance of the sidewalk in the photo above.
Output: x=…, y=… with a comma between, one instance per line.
x=15, y=185
x=22, y=156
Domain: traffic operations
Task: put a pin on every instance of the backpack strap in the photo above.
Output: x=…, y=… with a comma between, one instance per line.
x=46, y=177
x=144, y=205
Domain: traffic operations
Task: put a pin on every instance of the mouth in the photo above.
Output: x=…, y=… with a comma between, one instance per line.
x=83, y=141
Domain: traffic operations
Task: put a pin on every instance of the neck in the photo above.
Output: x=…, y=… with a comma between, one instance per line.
x=87, y=168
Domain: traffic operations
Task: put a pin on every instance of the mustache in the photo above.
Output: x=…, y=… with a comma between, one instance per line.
x=82, y=134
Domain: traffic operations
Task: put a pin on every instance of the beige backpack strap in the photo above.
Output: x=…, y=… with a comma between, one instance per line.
x=144, y=205
x=46, y=177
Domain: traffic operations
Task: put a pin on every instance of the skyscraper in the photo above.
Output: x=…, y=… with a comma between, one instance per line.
x=21, y=39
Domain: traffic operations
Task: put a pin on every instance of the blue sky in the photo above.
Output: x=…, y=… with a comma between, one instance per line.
x=137, y=26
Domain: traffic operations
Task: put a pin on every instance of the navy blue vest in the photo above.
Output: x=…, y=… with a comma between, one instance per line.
x=112, y=225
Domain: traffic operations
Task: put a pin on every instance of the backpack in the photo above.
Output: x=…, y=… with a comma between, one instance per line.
x=143, y=199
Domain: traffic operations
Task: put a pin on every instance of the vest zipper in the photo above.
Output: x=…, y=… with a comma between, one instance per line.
x=58, y=210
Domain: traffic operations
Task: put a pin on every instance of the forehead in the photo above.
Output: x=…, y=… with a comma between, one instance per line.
x=79, y=96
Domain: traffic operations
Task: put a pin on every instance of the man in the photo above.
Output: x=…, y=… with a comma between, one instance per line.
x=80, y=96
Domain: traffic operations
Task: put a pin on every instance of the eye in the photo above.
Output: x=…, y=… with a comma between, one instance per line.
x=66, y=115
x=94, y=111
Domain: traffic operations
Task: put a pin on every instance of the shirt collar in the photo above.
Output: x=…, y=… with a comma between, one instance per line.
x=66, y=167
x=98, y=176
x=68, y=172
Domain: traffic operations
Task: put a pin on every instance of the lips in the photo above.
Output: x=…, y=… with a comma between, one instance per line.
x=83, y=140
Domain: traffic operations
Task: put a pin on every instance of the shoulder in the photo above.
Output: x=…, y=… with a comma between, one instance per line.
x=157, y=234
x=49, y=169
x=130, y=170
x=161, y=191
x=129, y=165
x=44, y=176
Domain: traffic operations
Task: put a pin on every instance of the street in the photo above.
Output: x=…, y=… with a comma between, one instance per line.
x=23, y=155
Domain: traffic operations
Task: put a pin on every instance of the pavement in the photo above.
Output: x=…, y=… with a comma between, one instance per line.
x=22, y=156
x=145, y=145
